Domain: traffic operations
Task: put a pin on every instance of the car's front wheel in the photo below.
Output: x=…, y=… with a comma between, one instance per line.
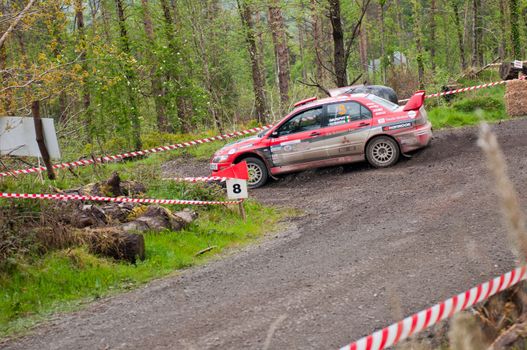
x=382, y=152
x=257, y=172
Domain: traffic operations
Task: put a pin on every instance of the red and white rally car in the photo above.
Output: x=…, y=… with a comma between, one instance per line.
x=336, y=130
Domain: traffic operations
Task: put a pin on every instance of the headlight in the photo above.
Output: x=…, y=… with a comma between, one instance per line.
x=219, y=159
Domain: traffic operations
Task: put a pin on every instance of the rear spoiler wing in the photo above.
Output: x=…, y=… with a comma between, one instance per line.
x=415, y=102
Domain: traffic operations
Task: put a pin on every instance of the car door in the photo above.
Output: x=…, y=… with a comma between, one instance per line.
x=349, y=125
x=298, y=140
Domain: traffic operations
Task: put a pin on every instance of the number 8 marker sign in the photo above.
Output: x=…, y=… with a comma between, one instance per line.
x=237, y=189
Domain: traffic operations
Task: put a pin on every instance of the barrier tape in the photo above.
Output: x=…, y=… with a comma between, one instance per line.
x=76, y=197
x=411, y=325
x=197, y=179
x=122, y=156
x=457, y=91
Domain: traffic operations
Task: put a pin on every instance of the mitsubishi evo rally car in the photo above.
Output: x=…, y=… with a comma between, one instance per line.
x=336, y=130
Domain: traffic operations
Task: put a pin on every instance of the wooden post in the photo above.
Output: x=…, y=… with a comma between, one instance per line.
x=242, y=211
x=39, y=132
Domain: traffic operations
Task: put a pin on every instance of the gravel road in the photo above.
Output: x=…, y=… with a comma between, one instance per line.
x=372, y=246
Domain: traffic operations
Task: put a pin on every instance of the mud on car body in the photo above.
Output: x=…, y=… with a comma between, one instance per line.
x=336, y=130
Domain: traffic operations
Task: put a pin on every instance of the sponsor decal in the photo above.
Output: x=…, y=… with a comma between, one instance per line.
x=412, y=114
x=339, y=120
x=397, y=126
x=288, y=148
x=381, y=121
x=290, y=142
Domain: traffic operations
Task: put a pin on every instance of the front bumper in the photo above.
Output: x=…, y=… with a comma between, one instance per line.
x=216, y=167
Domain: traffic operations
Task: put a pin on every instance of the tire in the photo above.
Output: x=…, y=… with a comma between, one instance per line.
x=258, y=170
x=382, y=152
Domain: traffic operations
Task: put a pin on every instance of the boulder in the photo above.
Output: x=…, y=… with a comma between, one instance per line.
x=157, y=218
x=115, y=243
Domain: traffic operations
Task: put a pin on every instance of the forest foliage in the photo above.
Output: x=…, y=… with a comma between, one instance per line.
x=121, y=70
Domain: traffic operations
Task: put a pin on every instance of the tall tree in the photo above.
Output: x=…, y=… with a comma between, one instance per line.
x=342, y=50
x=515, y=29
x=278, y=30
x=318, y=38
x=384, y=63
x=477, y=32
x=433, y=43
x=82, y=46
x=246, y=15
x=459, y=32
x=418, y=33
x=183, y=101
x=130, y=76
x=155, y=78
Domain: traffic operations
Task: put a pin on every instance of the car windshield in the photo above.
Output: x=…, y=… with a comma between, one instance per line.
x=381, y=101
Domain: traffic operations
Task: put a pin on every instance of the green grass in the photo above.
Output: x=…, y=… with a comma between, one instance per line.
x=468, y=108
x=63, y=280
x=36, y=285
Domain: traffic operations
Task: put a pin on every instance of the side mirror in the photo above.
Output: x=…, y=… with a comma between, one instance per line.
x=274, y=134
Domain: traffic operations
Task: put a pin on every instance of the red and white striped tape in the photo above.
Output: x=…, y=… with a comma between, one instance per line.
x=457, y=91
x=413, y=324
x=197, y=179
x=470, y=88
x=122, y=156
x=76, y=197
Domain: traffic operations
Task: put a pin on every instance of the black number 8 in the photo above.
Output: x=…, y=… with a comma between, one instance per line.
x=236, y=188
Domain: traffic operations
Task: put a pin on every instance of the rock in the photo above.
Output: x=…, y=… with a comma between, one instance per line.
x=115, y=243
x=157, y=218
x=187, y=215
x=90, y=215
x=132, y=188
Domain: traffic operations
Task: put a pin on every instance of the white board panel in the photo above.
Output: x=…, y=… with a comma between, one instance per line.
x=17, y=137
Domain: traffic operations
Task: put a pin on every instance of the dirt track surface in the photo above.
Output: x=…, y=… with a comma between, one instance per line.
x=373, y=245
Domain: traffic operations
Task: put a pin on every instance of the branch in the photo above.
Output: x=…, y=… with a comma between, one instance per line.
x=38, y=77
x=314, y=83
x=356, y=29
x=15, y=22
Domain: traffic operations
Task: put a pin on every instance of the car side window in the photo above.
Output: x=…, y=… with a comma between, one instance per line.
x=304, y=121
x=345, y=112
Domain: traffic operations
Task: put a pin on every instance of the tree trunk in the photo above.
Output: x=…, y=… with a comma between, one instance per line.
x=363, y=51
x=383, y=39
x=433, y=10
x=339, y=53
x=477, y=56
x=258, y=83
x=6, y=97
x=203, y=48
x=418, y=33
x=318, y=38
x=86, y=98
x=39, y=133
x=459, y=32
x=130, y=77
x=515, y=30
x=276, y=22
x=502, y=48
x=155, y=79
x=183, y=103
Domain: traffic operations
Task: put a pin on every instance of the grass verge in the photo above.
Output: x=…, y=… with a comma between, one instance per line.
x=37, y=285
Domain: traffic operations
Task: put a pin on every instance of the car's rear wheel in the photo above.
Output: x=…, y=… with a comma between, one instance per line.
x=382, y=152
x=257, y=172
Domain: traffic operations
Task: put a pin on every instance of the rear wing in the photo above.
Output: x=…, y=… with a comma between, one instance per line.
x=415, y=102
